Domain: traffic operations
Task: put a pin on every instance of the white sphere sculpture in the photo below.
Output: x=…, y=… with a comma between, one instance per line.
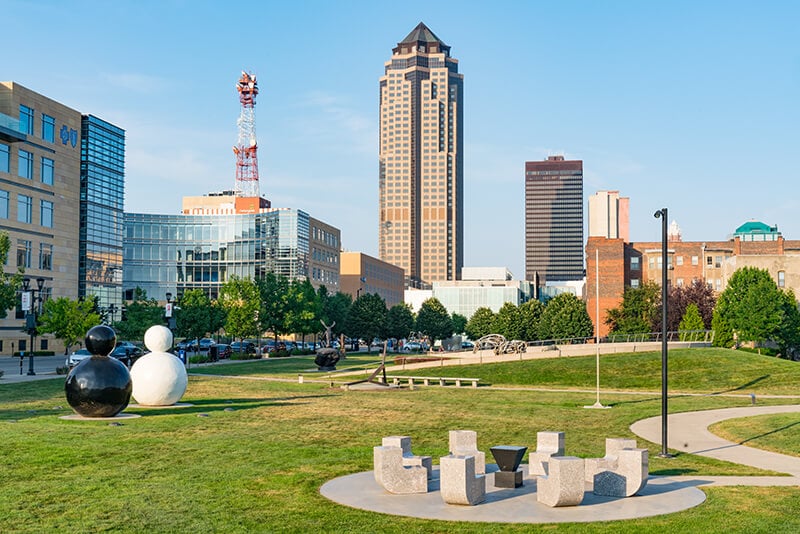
x=158, y=338
x=159, y=378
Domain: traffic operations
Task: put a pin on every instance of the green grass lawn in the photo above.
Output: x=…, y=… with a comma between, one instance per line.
x=251, y=455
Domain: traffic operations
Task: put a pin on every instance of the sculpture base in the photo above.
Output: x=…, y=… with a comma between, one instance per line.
x=508, y=479
x=118, y=417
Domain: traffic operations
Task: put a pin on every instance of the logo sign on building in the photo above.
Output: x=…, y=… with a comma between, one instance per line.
x=68, y=135
x=26, y=301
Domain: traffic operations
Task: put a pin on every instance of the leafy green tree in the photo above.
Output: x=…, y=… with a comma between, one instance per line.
x=752, y=305
x=530, y=313
x=565, y=317
x=434, y=321
x=788, y=338
x=241, y=301
x=690, y=322
x=303, y=310
x=366, y=318
x=140, y=314
x=9, y=283
x=68, y=320
x=459, y=323
x=723, y=333
x=197, y=315
x=399, y=321
x=480, y=324
x=639, y=311
x=273, y=291
x=334, y=309
x=507, y=322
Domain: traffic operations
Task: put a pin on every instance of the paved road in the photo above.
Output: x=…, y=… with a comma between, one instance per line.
x=688, y=432
x=43, y=366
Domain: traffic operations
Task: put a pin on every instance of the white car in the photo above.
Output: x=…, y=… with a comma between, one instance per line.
x=74, y=358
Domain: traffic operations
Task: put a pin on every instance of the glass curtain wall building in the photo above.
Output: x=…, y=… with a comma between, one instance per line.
x=174, y=253
x=101, y=211
x=553, y=221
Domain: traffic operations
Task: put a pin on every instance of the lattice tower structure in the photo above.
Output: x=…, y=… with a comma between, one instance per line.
x=246, y=147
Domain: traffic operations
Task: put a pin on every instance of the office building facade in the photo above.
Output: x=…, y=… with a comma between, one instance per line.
x=101, y=212
x=553, y=221
x=361, y=274
x=421, y=160
x=39, y=200
x=174, y=253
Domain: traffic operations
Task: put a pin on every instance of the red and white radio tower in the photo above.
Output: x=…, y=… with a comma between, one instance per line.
x=246, y=147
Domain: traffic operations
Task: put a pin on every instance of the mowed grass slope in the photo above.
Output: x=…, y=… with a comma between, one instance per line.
x=250, y=455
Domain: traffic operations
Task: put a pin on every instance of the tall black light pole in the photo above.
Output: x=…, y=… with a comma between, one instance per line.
x=662, y=214
x=31, y=298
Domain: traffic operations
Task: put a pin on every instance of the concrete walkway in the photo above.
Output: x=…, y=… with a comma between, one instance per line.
x=688, y=433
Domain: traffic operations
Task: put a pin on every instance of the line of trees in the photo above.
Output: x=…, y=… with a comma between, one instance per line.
x=751, y=309
x=563, y=317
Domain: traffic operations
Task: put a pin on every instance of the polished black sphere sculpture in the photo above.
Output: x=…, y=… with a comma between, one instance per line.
x=99, y=386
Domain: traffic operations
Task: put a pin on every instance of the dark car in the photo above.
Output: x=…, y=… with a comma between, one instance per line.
x=246, y=347
x=127, y=352
x=220, y=351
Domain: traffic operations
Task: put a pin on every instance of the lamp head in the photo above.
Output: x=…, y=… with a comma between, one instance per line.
x=26, y=284
x=40, y=283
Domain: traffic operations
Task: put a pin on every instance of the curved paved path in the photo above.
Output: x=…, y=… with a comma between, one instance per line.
x=688, y=432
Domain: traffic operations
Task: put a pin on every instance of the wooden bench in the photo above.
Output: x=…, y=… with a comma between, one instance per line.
x=428, y=380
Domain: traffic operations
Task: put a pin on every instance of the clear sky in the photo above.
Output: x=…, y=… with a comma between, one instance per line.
x=689, y=105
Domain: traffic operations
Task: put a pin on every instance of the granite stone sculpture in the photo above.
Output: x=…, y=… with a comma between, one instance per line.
x=609, y=461
x=326, y=358
x=409, y=459
x=465, y=443
x=563, y=485
x=548, y=444
x=159, y=378
x=628, y=478
x=99, y=386
x=508, y=458
x=459, y=484
x=394, y=476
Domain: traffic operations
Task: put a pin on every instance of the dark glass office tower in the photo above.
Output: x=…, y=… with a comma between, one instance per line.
x=553, y=220
x=101, y=212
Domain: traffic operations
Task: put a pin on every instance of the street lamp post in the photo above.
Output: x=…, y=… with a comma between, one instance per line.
x=662, y=214
x=31, y=304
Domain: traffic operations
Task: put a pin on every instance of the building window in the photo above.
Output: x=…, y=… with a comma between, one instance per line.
x=24, y=207
x=5, y=158
x=24, y=253
x=25, y=119
x=695, y=260
x=47, y=171
x=46, y=215
x=634, y=263
x=48, y=128
x=679, y=282
x=45, y=257
x=25, y=169
x=679, y=260
x=709, y=260
x=781, y=279
x=3, y=204
x=634, y=283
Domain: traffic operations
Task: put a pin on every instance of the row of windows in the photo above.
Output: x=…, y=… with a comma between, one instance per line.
x=25, y=209
x=25, y=251
x=25, y=161
x=27, y=118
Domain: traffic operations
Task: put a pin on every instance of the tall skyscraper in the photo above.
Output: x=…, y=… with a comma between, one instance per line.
x=421, y=194
x=553, y=220
x=102, y=212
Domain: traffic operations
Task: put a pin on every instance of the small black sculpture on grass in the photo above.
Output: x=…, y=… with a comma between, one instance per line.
x=326, y=358
x=99, y=386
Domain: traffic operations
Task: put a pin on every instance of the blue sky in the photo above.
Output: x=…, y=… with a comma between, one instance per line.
x=689, y=105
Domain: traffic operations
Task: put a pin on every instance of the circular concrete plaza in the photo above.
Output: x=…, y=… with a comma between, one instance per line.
x=504, y=505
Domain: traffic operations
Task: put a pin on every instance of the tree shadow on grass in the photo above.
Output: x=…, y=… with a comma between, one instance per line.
x=743, y=386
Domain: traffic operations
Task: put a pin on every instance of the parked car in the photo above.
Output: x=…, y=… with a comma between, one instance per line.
x=467, y=345
x=223, y=351
x=77, y=356
x=246, y=347
x=201, y=345
x=127, y=352
x=412, y=346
